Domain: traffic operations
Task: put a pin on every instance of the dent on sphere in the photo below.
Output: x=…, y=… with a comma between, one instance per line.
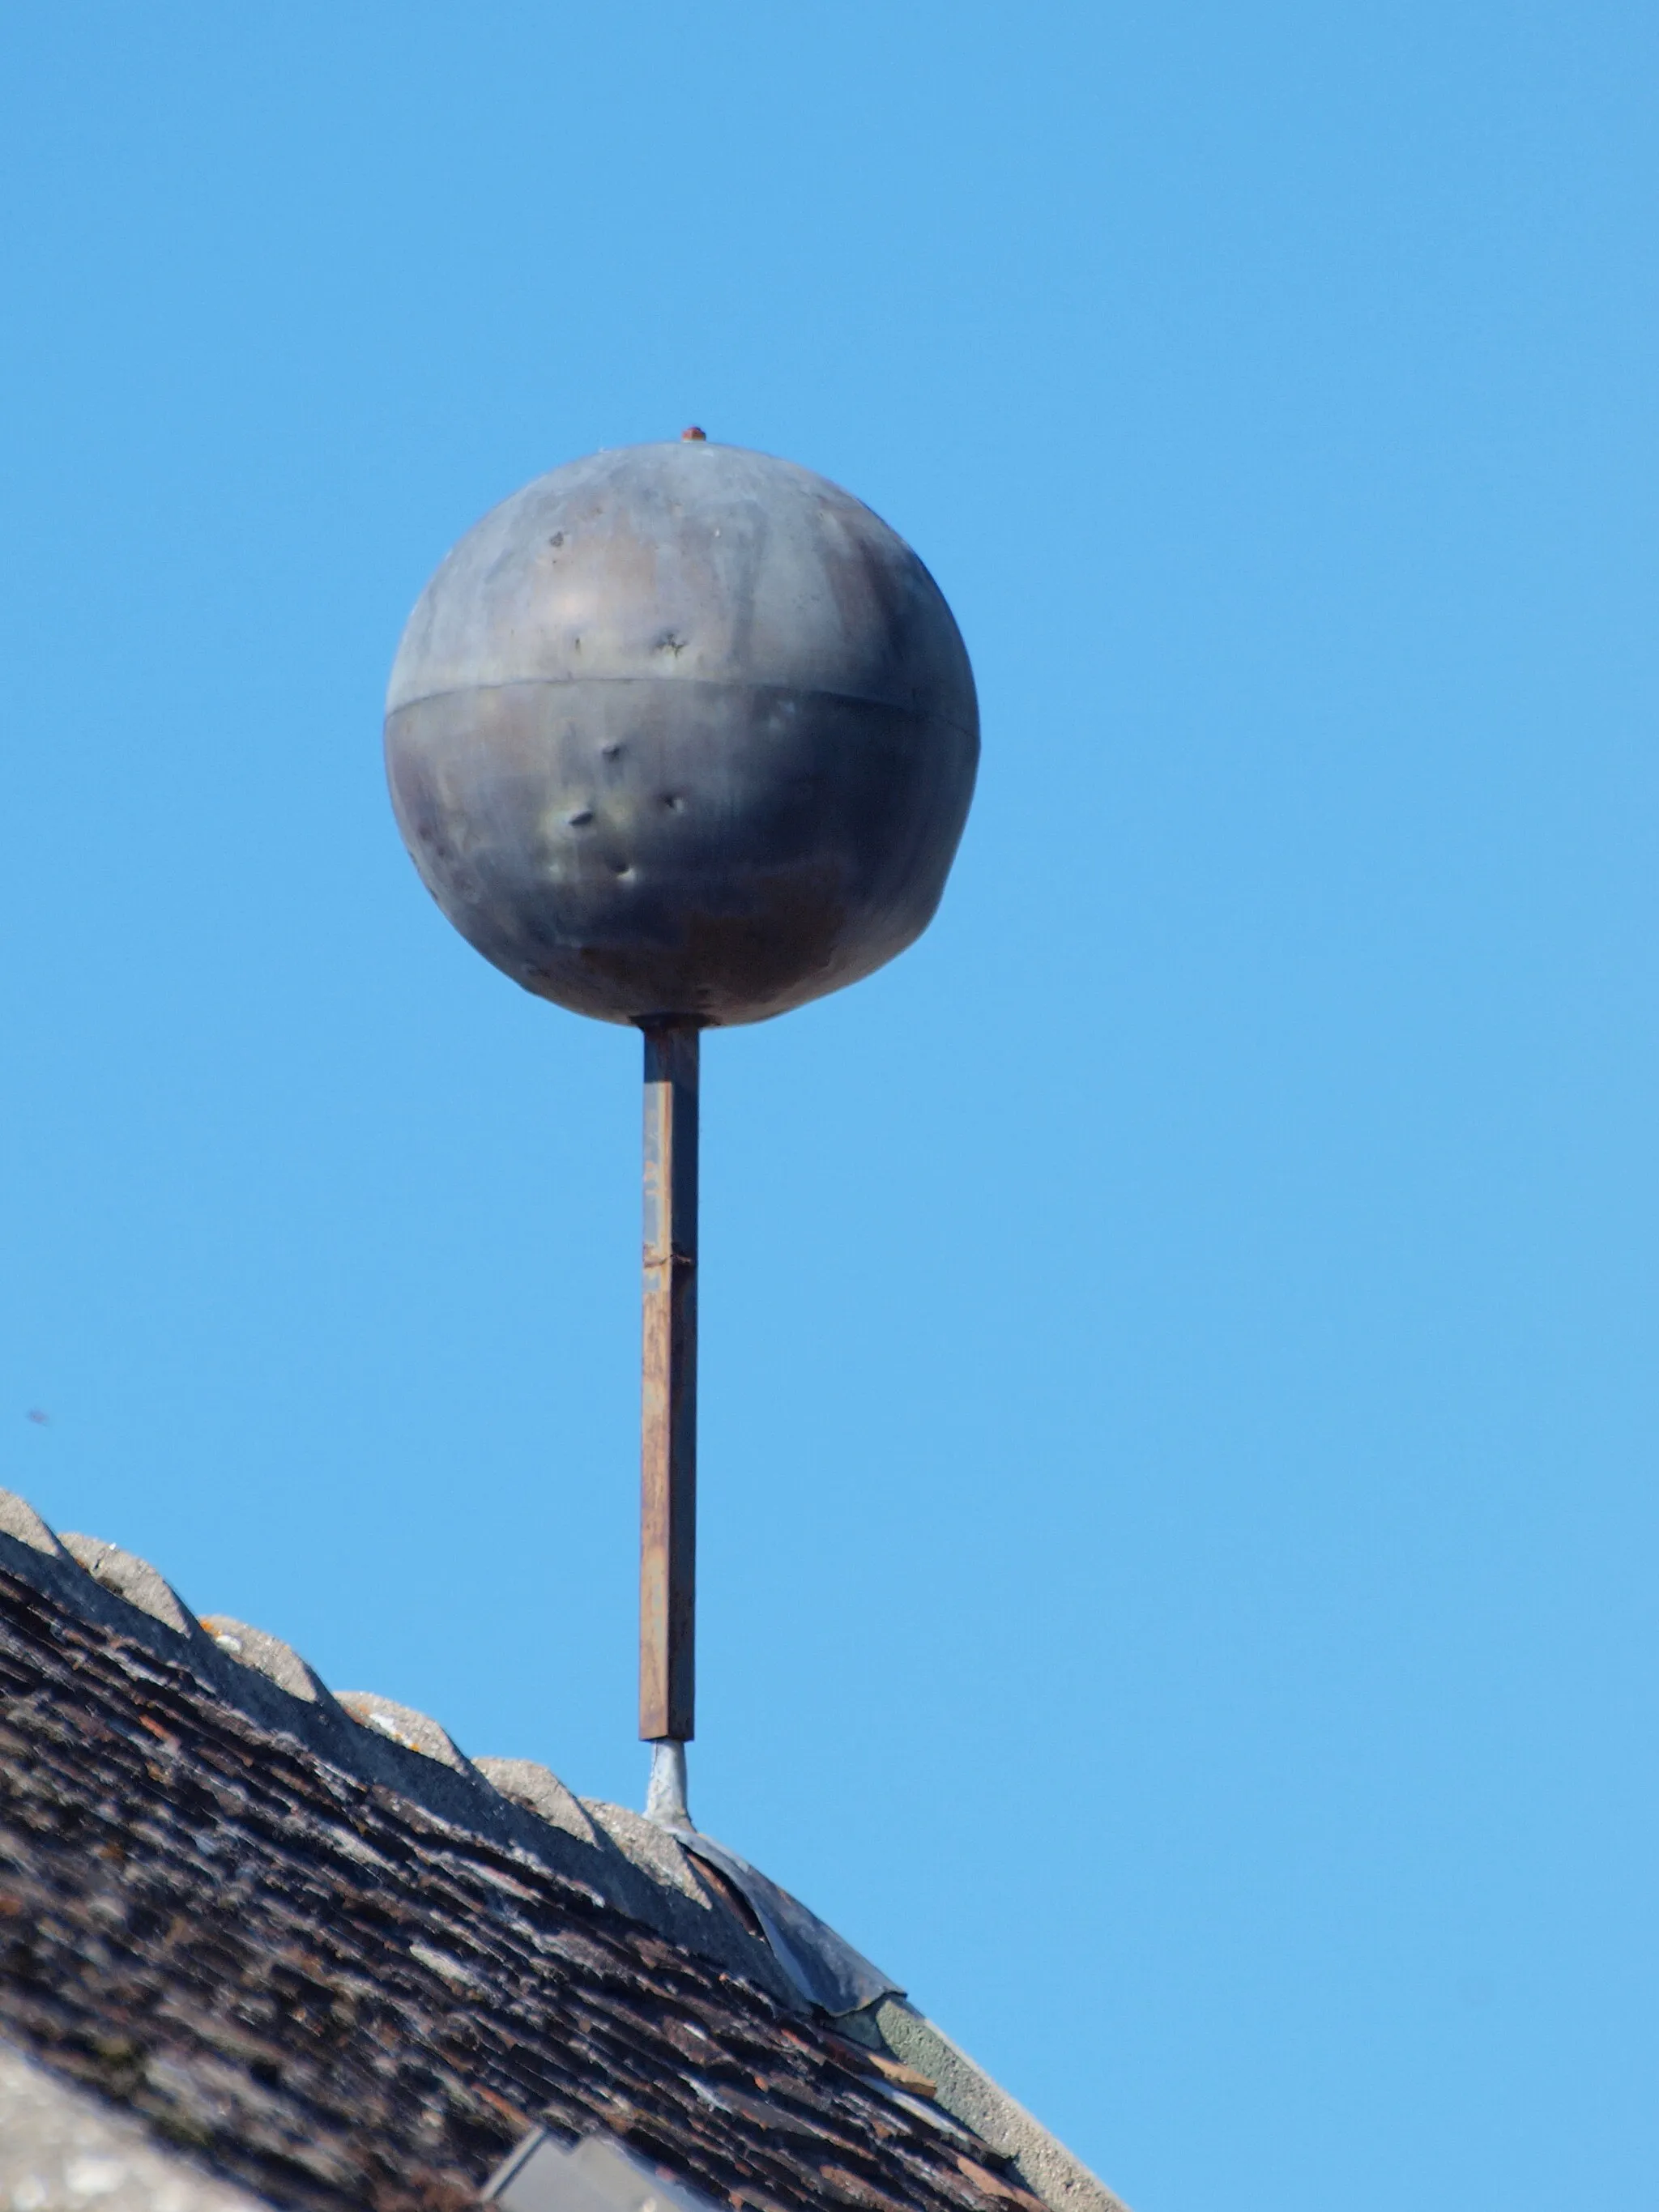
x=781, y=702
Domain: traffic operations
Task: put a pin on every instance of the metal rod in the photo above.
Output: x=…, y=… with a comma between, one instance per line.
x=668, y=1398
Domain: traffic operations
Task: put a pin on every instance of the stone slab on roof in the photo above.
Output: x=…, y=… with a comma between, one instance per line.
x=62, y=2150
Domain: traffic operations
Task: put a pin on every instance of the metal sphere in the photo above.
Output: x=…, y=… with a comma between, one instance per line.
x=682, y=731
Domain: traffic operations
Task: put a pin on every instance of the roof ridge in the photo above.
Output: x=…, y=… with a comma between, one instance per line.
x=641, y=1876
x=624, y=1860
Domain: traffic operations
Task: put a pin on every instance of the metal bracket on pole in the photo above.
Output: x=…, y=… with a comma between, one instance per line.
x=668, y=1409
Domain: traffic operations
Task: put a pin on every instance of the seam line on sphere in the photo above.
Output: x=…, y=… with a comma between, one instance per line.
x=690, y=683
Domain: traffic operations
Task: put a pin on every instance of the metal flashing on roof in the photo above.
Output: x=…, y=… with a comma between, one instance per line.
x=823, y=1967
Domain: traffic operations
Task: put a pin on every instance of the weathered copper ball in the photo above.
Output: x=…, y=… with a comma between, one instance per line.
x=682, y=730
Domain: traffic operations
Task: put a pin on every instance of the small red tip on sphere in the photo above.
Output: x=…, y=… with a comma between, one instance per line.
x=693, y=435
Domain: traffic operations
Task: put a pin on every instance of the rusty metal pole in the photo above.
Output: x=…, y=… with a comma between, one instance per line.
x=668, y=1409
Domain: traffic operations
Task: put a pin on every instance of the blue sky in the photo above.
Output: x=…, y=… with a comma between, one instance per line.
x=1179, y=1408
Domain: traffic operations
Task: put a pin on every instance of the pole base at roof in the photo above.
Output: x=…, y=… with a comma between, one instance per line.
x=664, y=1796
